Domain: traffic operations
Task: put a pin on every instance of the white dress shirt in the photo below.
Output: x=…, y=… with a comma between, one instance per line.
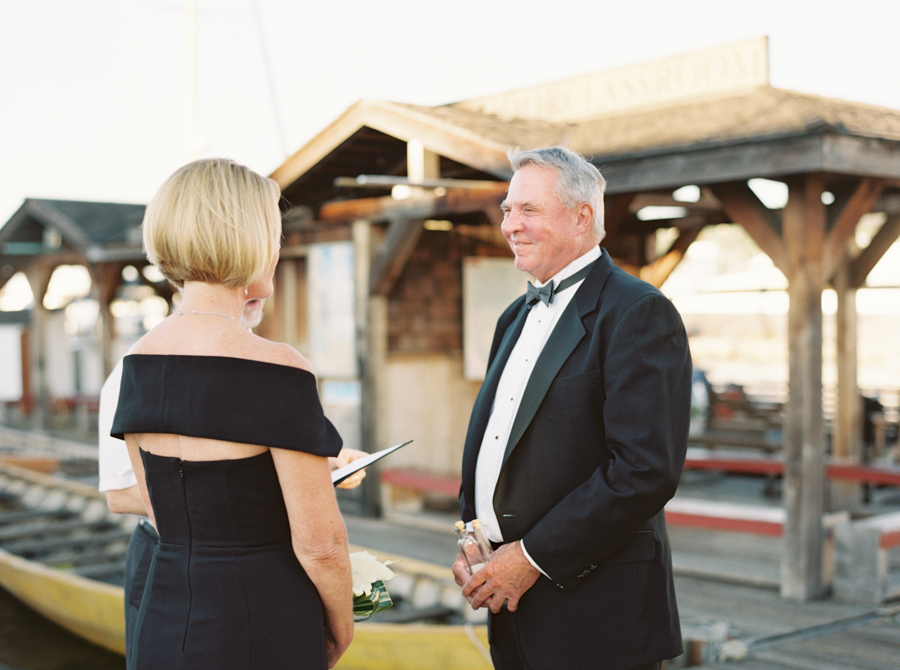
x=116, y=472
x=539, y=325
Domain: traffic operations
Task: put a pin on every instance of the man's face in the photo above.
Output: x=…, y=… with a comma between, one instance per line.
x=544, y=235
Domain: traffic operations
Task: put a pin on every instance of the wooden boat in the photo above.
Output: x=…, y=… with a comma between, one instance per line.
x=62, y=552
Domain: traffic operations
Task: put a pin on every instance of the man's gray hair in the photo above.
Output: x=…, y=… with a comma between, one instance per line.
x=579, y=180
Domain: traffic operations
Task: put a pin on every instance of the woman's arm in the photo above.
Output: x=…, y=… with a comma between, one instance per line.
x=320, y=540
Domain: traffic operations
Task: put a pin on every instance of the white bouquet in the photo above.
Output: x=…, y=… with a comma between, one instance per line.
x=370, y=595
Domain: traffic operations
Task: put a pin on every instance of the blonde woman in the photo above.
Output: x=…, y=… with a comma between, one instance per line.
x=230, y=449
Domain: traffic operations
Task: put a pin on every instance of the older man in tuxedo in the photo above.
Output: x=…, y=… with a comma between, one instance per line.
x=577, y=439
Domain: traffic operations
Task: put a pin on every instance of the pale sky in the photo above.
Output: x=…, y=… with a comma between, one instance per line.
x=95, y=102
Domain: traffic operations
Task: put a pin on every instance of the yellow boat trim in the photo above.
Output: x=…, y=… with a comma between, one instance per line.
x=88, y=608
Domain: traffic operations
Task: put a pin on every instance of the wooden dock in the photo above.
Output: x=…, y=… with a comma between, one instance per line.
x=730, y=626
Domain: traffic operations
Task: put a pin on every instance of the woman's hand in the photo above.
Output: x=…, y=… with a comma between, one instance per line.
x=344, y=458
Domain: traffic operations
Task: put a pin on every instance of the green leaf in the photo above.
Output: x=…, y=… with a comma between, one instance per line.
x=366, y=606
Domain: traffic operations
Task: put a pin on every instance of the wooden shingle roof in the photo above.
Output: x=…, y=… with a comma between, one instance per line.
x=760, y=132
x=756, y=115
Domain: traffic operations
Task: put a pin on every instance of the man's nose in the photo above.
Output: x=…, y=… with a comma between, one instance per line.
x=512, y=223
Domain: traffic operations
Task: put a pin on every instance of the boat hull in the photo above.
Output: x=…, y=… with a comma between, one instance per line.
x=92, y=610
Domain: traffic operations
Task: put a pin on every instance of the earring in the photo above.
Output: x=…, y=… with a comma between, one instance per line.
x=246, y=291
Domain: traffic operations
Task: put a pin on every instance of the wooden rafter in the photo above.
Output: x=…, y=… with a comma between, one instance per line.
x=869, y=257
x=404, y=124
x=70, y=231
x=762, y=224
x=858, y=203
x=659, y=270
x=425, y=206
x=399, y=241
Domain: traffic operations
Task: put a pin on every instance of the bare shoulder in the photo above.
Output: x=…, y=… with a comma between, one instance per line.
x=285, y=354
x=148, y=344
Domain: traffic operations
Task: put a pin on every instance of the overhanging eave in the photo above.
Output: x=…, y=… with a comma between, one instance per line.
x=773, y=158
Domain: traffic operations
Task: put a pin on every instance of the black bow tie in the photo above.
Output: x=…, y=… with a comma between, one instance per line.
x=545, y=293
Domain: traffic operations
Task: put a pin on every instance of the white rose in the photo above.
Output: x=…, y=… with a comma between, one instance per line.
x=366, y=570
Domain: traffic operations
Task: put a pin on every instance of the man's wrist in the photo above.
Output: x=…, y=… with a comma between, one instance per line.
x=530, y=559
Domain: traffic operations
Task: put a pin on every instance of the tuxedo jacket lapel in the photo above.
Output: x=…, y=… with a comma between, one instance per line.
x=566, y=335
x=562, y=342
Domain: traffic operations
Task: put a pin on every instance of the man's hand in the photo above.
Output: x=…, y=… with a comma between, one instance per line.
x=345, y=457
x=460, y=573
x=506, y=577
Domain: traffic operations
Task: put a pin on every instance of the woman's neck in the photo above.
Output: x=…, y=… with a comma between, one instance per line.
x=217, y=298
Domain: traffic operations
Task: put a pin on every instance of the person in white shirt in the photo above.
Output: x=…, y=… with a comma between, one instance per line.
x=119, y=484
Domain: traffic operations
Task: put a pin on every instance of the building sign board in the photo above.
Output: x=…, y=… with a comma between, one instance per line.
x=733, y=67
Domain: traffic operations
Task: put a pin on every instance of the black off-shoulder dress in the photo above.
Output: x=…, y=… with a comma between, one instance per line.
x=225, y=590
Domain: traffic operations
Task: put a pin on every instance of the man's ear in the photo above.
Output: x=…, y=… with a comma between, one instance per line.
x=585, y=215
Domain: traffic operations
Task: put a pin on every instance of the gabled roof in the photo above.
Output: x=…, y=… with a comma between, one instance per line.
x=370, y=138
x=98, y=231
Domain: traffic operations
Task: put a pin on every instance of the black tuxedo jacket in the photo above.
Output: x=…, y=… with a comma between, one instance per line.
x=595, y=452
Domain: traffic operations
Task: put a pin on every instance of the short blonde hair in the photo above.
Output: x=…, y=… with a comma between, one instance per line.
x=213, y=221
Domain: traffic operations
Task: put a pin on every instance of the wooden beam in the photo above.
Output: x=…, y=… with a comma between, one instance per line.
x=869, y=257
x=804, y=436
x=860, y=202
x=400, y=240
x=704, y=204
x=659, y=270
x=860, y=156
x=762, y=224
x=381, y=181
x=773, y=158
x=425, y=207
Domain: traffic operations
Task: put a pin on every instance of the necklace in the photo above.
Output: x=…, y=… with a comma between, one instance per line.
x=193, y=311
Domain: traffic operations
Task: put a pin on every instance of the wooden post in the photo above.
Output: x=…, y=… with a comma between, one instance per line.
x=286, y=303
x=106, y=278
x=38, y=275
x=421, y=163
x=846, y=444
x=369, y=361
x=804, y=443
